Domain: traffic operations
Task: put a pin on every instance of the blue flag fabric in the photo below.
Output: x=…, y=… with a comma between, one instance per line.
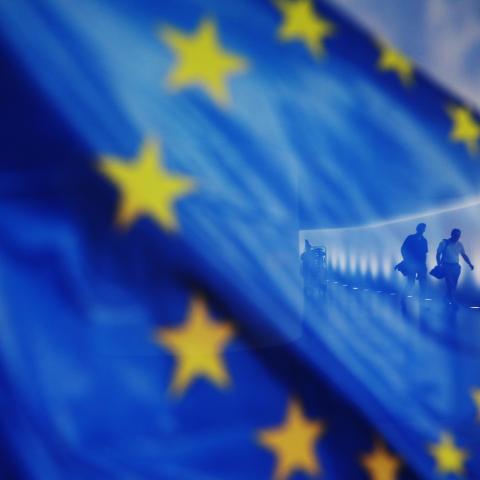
x=158, y=161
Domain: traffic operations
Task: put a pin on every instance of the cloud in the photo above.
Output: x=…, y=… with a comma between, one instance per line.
x=442, y=36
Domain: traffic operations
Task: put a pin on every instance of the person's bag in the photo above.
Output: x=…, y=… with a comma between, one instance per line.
x=438, y=272
x=402, y=268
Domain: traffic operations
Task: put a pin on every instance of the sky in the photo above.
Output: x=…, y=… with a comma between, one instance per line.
x=442, y=36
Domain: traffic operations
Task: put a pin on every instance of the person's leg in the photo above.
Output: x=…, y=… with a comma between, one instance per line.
x=449, y=281
x=422, y=281
x=456, y=269
x=452, y=273
x=410, y=283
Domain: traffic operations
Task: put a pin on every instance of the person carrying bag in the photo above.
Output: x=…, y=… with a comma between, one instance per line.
x=448, y=265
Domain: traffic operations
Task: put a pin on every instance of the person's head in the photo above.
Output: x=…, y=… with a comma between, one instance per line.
x=421, y=227
x=455, y=235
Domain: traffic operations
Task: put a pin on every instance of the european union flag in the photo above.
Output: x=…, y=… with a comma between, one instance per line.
x=161, y=164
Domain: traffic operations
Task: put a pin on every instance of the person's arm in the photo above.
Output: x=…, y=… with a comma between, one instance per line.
x=403, y=250
x=439, y=252
x=465, y=257
x=406, y=247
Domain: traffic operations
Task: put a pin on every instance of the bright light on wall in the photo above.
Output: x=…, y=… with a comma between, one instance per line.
x=342, y=261
x=352, y=262
x=363, y=264
x=476, y=262
x=333, y=259
x=374, y=265
x=386, y=267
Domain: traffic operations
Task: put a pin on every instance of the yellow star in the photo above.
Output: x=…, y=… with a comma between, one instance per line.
x=301, y=22
x=476, y=399
x=395, y=61
x=293, y=442
x=449, y=458
x=465, y=128
x=202, y=61
x=380, y=464
x=198, y=346
x=146, y=188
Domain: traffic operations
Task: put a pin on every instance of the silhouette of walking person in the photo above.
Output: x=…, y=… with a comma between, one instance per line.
x=414, y=252
x=314, y=270
x=448, y=253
